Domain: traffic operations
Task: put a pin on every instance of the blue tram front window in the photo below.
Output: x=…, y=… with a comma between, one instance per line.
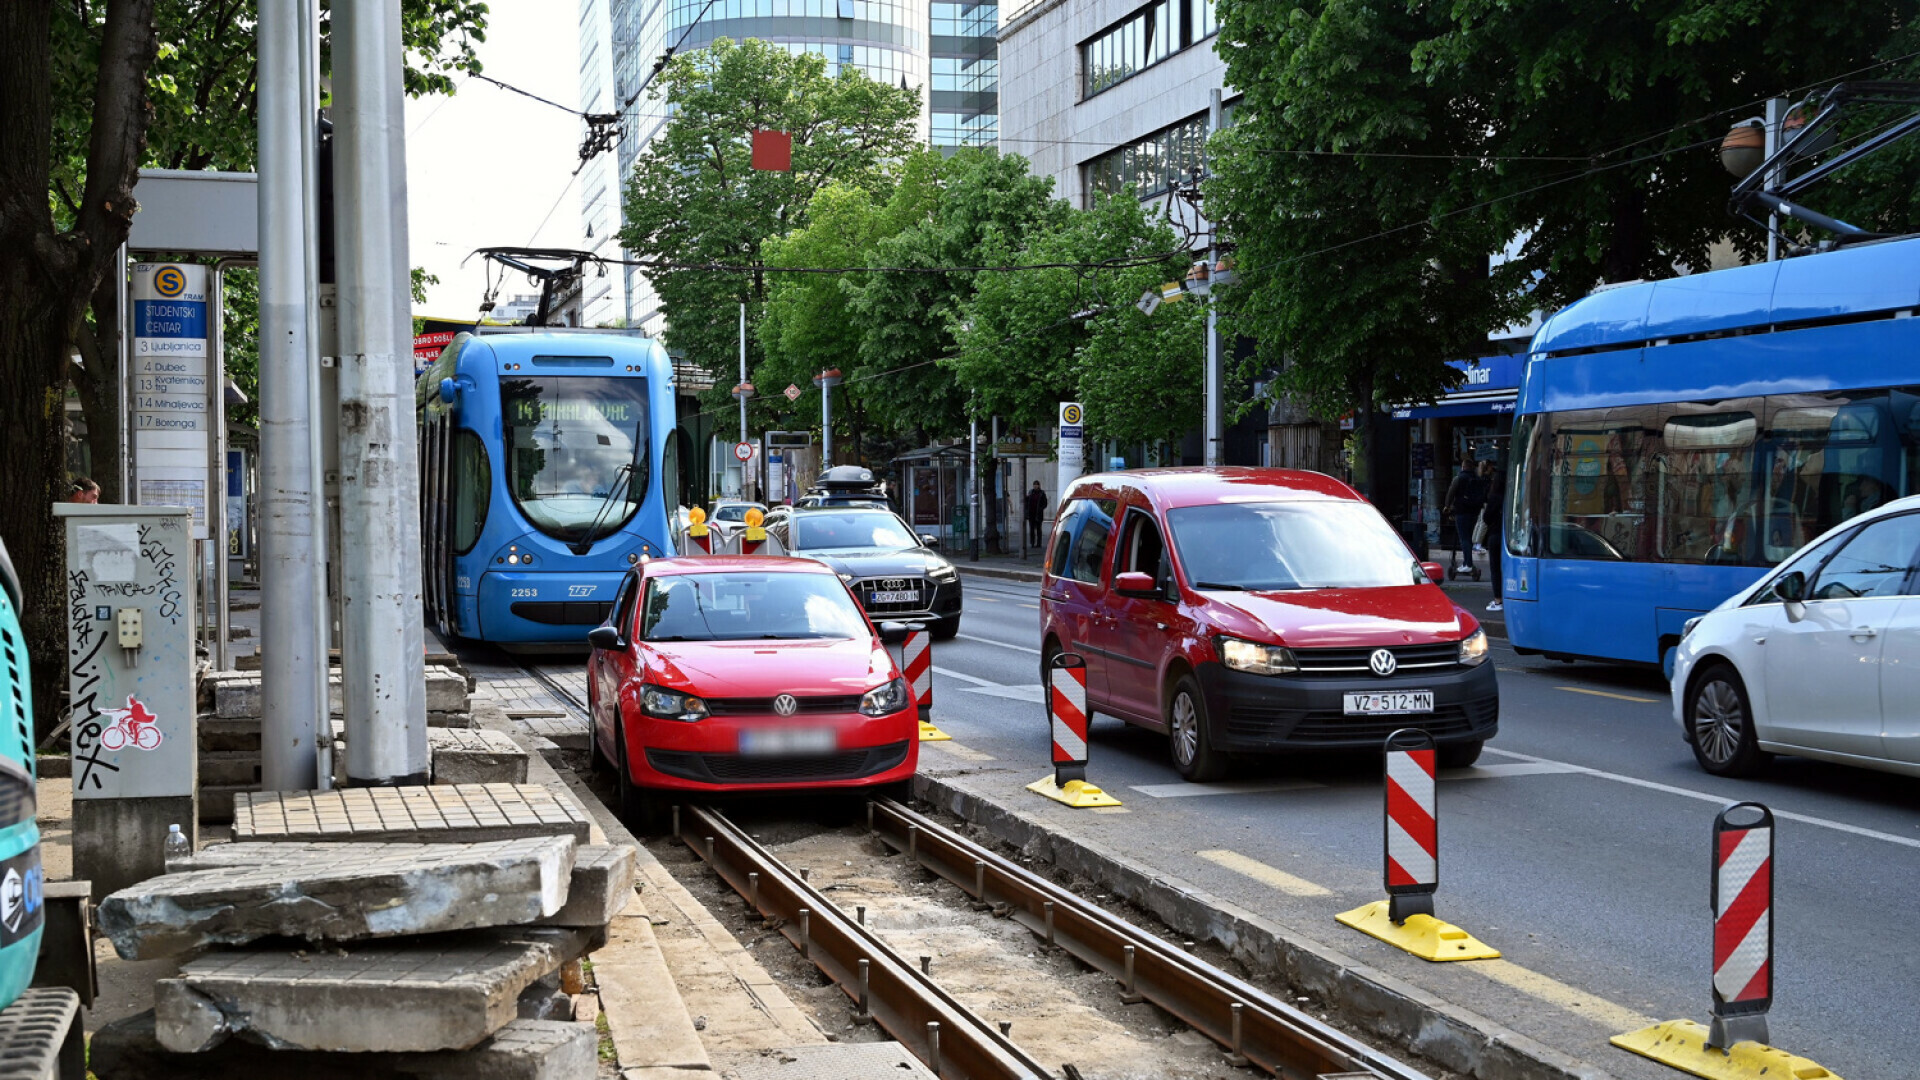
x=577, y=451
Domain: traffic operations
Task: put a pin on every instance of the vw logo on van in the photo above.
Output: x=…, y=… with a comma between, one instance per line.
x=1383, y=662
x=786, y=705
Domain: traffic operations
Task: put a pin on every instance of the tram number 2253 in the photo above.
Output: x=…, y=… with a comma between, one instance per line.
x=525, y=594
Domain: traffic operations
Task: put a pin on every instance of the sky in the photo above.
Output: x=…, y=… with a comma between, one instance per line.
x=485, y=165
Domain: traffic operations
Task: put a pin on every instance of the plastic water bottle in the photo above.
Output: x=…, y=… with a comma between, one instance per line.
x=179, y=851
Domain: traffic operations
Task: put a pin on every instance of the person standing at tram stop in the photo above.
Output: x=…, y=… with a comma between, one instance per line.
x=83, y=490
x=1465, y=498
x=1495, y=516
x=1036, y=505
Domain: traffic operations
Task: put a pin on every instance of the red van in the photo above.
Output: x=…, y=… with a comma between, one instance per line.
x=1252, y=611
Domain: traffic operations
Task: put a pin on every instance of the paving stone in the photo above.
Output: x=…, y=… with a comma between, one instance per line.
x=443, y=992
x=438, y=813
x=566, y=732
x=128, y=1049
x=601, y=885
x=237, y=893
x=475, y=756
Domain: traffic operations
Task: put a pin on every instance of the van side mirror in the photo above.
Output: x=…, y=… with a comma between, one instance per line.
x=1135, y=583
x=605, y=637
x=1792, y=587
x=1435, y=572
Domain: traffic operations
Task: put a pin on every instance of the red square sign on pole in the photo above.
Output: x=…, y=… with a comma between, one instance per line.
x=773, y=151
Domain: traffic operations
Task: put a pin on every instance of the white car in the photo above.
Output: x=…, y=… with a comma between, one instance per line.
x=1820, y=658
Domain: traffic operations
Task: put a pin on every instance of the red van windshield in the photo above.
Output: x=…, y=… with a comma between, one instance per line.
x=1290, y=545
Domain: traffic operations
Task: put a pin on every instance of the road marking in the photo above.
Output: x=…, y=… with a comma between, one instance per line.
x=964, y=753
x=1111, y=810
x=1560, y=995
x=1035, y=694
x=963, y=676
x=1518, y=768
x=1718, y=800
x=1002, y=644
x=987, y=599
x=1603, y=693
x=1188, y=791
x=1266, y=875
x=1035, y=607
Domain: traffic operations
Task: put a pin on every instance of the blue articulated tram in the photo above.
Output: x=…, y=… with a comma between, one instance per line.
x=544, y=456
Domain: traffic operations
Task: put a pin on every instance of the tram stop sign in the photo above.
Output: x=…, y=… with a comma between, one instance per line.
x=743, y=451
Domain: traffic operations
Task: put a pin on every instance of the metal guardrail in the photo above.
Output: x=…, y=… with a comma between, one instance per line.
x=1252, y=1025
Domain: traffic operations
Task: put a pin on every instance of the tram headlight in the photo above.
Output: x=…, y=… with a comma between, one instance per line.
x=632, y=557
x=513, y=560
x=671, y=704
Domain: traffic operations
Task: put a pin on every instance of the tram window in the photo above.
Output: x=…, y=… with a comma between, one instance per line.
x=472, y=490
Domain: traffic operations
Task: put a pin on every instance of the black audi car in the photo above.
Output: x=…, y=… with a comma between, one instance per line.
x=893, y=573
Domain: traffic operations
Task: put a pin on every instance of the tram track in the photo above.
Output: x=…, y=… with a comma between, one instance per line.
x=1252, y=1026
x=555, y=688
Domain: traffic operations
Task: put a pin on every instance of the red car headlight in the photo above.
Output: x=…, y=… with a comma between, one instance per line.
x=671, y=704
x=885, y=700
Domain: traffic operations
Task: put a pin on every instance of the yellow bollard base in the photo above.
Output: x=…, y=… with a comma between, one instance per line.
x=1422, y=935
x=1682, y=1044
x=1076, y=793
x=929, y=733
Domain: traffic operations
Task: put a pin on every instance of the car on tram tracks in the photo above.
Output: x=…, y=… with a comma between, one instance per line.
x=756, y=674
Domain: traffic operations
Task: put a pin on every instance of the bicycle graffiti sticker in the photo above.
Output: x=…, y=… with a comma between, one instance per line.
x=132, y=726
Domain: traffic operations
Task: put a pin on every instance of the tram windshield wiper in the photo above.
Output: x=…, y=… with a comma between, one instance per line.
x=623, y=480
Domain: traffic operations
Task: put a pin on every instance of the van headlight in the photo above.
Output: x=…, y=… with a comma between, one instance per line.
x=1473, y=651
x=885, y=700
x=1256, y=658
x=671, y=704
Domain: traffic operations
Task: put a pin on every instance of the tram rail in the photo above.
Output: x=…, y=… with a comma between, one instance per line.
x=1254, y=1027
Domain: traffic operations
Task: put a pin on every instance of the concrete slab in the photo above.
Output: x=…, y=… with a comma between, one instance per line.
x=449, y=720
x=445, y=992
x=237, y=893
x=446, y=814
x=237, y=694
x=834, y=1061
x=128, y=1049
x=600, y=888
x=475, y=756
x=566, y=732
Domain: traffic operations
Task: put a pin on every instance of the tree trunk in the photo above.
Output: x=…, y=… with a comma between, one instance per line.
x=98, y=382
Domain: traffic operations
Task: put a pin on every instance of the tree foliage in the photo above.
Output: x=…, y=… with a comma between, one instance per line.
x=1382, y=154
x=693, y=196
x=1032, y=338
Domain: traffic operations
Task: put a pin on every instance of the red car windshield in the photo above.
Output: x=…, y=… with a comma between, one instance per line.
x=748, y=607
x=1290, y=545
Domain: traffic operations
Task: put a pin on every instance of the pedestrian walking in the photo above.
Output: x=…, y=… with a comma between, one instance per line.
x=1495, y=516
x=1466, y=496
x=1036, y=504
x=82, y=489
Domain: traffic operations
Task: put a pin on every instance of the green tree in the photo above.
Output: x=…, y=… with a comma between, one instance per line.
x=694, y=197
x=90, y=91
x=908, y=307
x=1032, y=338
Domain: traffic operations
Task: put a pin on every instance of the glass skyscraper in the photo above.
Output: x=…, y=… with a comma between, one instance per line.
x=948, y=49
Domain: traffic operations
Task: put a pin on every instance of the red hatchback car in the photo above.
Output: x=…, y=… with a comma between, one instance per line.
x=1245, y=610
x=735, y=674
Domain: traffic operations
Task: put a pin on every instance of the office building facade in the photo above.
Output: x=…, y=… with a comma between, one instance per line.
x=948, y=49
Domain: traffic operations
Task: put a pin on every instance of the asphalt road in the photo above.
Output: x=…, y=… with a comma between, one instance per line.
x=1578, y=846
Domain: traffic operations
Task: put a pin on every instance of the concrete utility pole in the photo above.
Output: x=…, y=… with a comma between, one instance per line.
x=293, y=661
x=1216, y=374
x=973, y=485
x=382, y=650
x=1775, y=119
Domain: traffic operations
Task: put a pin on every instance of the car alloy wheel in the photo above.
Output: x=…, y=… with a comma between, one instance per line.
x=1184, y=730
x=1194, y=757
x=1720, y=724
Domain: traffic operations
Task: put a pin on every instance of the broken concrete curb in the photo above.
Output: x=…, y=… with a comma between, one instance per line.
x=1382, y=1006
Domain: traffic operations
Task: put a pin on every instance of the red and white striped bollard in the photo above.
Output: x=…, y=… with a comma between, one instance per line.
x=916, y=662
x=1067, y=717
x=1742, y=924
x=1412, y=824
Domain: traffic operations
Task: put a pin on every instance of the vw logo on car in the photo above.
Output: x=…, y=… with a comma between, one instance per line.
x=786, y=705
x=1383, y=662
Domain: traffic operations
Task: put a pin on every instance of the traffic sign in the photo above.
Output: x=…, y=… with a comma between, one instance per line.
x=743, y=451
x=792, y=392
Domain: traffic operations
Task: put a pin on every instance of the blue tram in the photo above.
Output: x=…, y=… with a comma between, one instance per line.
x=547, y=458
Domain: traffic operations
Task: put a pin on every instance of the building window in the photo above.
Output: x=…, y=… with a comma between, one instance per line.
x=1142, y=40
x=1152, y=165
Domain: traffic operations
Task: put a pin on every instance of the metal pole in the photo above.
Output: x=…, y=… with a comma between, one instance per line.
x=973, y=486
x=381, y=654
x=322, y=403
x=1216, y=376
x=743, y=381
x=292, y=699
x=1776, y=116
x=123, y=347
x=217, y=523
x=826, y=424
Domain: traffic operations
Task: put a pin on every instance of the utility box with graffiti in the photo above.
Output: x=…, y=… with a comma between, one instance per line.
x=130, y=670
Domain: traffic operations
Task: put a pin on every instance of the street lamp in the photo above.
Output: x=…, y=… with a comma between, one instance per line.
x=826, y=381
